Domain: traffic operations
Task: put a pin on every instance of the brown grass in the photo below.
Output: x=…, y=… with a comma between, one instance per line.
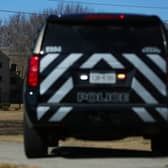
x=11, y=138
x=132, y=143
x=11, y=122
x=7, y=165
x=11, y=115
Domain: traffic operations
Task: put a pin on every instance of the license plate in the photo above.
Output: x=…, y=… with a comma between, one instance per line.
x=102, y=78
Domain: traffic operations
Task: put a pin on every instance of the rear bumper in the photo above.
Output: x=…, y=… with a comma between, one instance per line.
x=98, y=122
x=76, y=114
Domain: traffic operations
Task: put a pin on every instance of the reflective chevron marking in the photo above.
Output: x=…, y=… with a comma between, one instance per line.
x=96, y=58
x=58, y=71
x=60, y=114
x=147, y=72
x=142, y=92
x=137, y=85
x=41, y=110
x=62, y=91
x=47, y=60
x=163, y=111
x=143, y=114
x=158, y=60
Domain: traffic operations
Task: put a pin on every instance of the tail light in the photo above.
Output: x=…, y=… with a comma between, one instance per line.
x=33, y=71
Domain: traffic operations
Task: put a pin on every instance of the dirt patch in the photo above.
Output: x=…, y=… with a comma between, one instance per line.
x=11, y=115
x=11, y=127
x=11, y=122
x=7, y=165
x=11, y=138
x=132, y=143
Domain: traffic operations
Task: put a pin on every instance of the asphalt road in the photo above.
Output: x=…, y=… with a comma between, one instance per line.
x=75, y=157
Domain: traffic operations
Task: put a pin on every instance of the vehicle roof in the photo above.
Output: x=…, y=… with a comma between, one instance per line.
x=104, y=17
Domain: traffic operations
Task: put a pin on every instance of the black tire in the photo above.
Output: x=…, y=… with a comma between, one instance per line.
x=34, y=142
x=159, y=144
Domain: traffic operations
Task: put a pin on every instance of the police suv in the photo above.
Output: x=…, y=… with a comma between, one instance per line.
x=97, y=77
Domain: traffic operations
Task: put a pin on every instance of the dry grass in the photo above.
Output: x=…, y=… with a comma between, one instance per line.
x=11, y=138
x=11, y=115
x=132, y=143
x=11, y=122
x=7, y=165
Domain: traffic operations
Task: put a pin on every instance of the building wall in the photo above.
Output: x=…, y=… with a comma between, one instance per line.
x=17, y=62
x=4, y=78
x=16, y=85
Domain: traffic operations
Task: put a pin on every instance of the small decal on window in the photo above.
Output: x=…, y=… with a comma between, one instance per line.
x=151, y=49
x=50, y=49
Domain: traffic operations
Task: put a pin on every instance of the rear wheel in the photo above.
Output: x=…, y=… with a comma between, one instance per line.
x=159, y=144
x=34, y=142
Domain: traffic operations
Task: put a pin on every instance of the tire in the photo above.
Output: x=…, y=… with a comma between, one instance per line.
x=159, y=144
x=34, y=142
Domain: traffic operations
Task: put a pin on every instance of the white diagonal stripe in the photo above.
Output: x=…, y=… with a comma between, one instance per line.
x=60, y=114
x=158, y=60
x=142, y=92
x=46, y=60
x=147, y=72
x=143, y=114
x=41, y=110
x=58, y=71
x=163, y=111
x=62, y=91
x=108, y=58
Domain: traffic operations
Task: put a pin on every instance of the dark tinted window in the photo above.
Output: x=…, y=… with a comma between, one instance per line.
x=101, y=38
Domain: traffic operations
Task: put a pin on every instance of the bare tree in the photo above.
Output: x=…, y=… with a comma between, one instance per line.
x=74, y=8
x=20, y=30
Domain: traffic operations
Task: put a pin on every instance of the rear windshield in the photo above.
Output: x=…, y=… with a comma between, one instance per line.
x=101, y=38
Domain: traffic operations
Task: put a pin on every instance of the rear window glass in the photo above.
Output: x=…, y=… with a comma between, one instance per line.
x=100, y=38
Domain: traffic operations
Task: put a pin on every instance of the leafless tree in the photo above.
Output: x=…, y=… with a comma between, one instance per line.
x=19, y=32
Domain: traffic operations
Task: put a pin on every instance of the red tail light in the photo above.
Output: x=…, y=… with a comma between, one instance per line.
x=33, y=71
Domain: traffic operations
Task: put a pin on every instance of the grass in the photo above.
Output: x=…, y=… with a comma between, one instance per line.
x=11, y=122
x=11, y=138
x=7, y=165
x=11, y=115
x=131, y=143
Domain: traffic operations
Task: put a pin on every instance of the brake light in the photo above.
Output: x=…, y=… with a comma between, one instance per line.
x=105, y=16
x=33, y=71
x=122, y=16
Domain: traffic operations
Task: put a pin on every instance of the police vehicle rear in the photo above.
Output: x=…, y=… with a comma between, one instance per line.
x=97, y=77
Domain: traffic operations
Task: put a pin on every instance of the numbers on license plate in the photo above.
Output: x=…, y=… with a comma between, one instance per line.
x=102, y=78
